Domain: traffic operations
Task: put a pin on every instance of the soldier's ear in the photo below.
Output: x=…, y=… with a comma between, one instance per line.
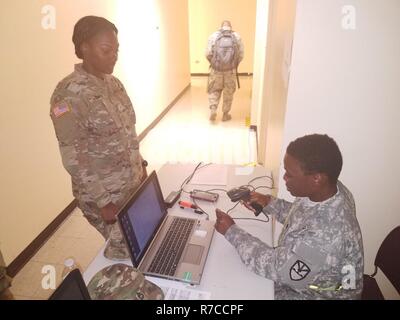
x=320, y=179
x=84, y=48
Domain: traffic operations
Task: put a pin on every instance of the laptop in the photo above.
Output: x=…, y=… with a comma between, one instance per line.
x=73, y=287
x=162, y=245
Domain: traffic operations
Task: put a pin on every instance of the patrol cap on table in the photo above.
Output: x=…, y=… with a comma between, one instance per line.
x=122, y=282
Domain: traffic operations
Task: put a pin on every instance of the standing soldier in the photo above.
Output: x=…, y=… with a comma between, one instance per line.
x=320, y=250
x=5, y=281
x=224, y=52
x=94, y=122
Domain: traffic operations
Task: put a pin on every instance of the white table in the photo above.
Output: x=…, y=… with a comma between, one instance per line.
x=225, y=277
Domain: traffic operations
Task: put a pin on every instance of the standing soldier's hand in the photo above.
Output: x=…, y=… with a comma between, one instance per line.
x=223, y=222
x=109, y=213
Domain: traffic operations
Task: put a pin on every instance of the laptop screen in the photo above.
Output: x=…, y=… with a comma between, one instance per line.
x=142, y=216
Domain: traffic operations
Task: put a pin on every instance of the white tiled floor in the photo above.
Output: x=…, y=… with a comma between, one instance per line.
x=184, y=135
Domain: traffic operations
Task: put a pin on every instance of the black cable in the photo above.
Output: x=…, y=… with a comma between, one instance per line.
x=203, y=211
x=217, y=190
x=245, y=218
x=233, y=207
x=248, y=185
x=187, y=180
x=265, y=221
x=189, y=177
x=269, y=177
x=271, y=188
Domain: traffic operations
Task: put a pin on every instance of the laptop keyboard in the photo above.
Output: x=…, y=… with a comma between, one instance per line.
x=167, y=257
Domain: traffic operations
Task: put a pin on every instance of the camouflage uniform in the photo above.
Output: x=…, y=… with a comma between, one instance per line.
x=5, y=280
x=317, y=241
x=220, y=81
x=94, y=122
x=122, y=282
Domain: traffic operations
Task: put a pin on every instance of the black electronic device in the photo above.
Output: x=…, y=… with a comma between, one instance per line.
x=243, y=193
x=73, y=287
x=236, y=194
x=172, y=198
x=257, y=207
x=204, y=195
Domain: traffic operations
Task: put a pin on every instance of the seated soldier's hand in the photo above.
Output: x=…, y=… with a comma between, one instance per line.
x=223, y=222
x=109, y=213
x=261, y=199
x=144, y=166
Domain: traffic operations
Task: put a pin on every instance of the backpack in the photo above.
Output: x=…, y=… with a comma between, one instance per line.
x=225, y=52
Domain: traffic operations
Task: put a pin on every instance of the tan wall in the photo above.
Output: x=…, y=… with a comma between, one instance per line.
x=35, y=187
x=205, y=17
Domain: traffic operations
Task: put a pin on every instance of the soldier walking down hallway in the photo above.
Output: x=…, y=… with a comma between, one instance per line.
x=224, y=52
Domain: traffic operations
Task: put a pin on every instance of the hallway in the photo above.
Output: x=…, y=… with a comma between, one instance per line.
x=184, y=135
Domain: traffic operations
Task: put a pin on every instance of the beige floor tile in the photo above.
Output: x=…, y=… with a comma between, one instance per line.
x=43, y=293
x=77, y=212
x=25, y=298
x=75, y=227
x=28, y=280
x=57, y=249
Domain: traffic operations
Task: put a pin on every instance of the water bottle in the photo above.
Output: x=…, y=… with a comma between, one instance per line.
x=69, y=265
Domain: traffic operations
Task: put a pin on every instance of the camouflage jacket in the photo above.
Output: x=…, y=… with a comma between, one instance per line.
x=319, y=253
x=94, y=122
x=5, y=280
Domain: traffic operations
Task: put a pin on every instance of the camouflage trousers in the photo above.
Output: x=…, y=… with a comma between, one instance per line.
x=218, y=83
x=5, y=280
x=115, y=248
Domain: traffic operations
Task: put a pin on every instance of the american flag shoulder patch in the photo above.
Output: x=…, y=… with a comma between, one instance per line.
x=61, y=108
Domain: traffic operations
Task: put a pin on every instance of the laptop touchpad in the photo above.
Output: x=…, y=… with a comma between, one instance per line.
x=193, y=254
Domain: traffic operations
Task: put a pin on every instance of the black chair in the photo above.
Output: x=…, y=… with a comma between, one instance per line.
x=388, y=261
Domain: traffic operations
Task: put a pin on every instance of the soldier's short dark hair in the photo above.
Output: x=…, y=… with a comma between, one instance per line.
x=317, y=153
x=86, y=28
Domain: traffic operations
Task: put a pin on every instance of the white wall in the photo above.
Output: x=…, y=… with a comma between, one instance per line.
x=346, y=83
x=260, y=52
x=35, y=187
x=271, y=93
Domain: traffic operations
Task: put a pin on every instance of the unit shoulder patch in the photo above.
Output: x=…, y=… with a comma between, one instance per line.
x=61, y=108
x=299, y=271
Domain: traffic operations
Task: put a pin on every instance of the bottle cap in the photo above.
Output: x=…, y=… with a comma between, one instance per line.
x=69, y=262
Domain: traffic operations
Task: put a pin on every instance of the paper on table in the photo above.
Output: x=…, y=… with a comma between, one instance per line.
x=174, y=290
x=214, y=174
x=172, y=293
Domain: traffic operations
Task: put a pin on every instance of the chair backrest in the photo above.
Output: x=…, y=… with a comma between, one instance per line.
x=371, y=289
x=388, y=257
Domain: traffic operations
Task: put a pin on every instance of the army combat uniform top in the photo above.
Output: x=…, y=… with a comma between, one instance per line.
x=94, y=122
x=319, y=253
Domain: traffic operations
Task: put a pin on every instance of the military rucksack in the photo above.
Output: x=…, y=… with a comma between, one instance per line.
x=225, y=55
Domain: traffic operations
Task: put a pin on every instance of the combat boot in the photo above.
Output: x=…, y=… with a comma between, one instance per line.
x=213, y=116
x=226, y=117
